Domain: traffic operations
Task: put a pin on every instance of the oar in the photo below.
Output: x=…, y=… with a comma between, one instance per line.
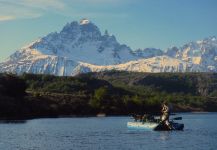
x=177, y=118
x=172, y=114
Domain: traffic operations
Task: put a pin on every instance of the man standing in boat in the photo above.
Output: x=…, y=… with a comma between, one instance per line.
x=165, y=115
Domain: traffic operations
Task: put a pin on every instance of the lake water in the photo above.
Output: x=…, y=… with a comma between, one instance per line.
x=110, y=133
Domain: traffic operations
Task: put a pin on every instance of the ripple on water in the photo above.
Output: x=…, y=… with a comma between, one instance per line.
x=107, y=133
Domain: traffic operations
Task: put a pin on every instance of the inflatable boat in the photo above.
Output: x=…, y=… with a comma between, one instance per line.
x=156, y=125
x=141, y=125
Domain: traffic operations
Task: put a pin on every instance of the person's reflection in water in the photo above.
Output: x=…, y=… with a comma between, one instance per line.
x=164, y=136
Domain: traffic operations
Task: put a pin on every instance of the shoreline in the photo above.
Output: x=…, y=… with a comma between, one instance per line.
x=24, y=119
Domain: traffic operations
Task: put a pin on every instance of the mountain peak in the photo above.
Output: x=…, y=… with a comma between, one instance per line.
x=84, y=27
x=208, y=39
x=69, y=27
x=211, y=38
x=83, y=42
x=84, y=21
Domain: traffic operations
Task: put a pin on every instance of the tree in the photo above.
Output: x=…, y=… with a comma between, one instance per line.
x=98, y=100
x=12, y=85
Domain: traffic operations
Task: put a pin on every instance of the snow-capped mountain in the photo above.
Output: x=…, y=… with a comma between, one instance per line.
x=80, y=47
x=154, y=64
x=148, y=52
x=202, y=53
x=84, y=42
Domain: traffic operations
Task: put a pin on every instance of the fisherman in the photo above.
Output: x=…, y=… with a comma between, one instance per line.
x=165, y=115
x=137, y=117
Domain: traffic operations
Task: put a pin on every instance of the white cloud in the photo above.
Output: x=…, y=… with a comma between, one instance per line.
x=44, y=4
x=99, y=15
x=102, y=1
x=6, y=18
x=26, y=9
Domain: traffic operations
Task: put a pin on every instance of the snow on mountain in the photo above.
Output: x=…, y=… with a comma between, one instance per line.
x=154, y=64
x=84, y=42
x=84, y=21
x=172, y=51
x=60, y=66
x=148, y=52
x=39, y=64
x=80, y=47
x=203, y=53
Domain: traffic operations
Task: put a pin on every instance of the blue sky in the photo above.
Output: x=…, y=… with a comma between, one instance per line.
x=137, y=23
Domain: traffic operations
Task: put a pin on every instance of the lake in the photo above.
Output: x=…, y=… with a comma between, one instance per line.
x=110, y=133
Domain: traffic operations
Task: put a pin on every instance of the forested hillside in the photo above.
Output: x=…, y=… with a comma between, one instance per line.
x=113, y=93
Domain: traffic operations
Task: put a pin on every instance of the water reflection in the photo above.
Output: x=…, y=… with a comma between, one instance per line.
x=108, y=133
x=164, y=135
x=12, y=121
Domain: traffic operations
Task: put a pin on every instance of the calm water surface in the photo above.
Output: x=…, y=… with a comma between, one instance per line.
x=111, y=133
